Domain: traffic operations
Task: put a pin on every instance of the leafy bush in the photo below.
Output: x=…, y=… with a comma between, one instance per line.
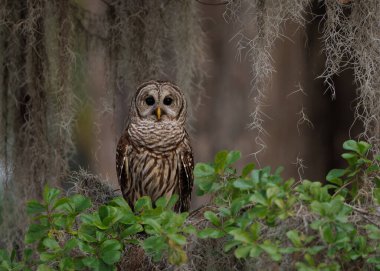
x=329, y=226
x=69, y=238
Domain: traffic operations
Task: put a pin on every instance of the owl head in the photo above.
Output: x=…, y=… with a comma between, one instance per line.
x=159, y=101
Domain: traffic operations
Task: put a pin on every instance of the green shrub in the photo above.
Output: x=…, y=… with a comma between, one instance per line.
x=255, y=199
x=329, y=226
x=69, y=238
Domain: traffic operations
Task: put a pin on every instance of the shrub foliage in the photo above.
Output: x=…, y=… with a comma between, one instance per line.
x=338, y=228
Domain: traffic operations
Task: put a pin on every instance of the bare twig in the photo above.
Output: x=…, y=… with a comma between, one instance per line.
x=303, y=119
x=362, y=211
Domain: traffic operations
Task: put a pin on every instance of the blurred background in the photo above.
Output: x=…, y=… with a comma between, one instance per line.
x=276, y=80
x=305, y=126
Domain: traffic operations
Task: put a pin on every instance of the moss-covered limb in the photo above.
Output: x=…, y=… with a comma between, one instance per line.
x=351, y=41
x=34, y=144
x=13, y=84
x=350, y=35
x=260, y=23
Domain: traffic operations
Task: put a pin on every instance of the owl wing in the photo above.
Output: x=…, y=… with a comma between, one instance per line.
x=186, y=176
x=123, y=150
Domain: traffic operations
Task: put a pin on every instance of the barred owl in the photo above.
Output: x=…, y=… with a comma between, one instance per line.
x=154, y=156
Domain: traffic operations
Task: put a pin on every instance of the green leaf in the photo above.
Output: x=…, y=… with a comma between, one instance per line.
x=351, y=145
x=294, y=237
x=259, y=198
x=260, y=211
x=4, y=256
x=317, y=207
x=335, y=174
x=110, y=251
x=280, y=204
x=47, y=257
x=109, y=215
x=315, y=249
x=327, y=234
x=161, y=202
x=87, y=233
x=243, y=184
x=155, y=245
x=255, y=231
x=86, y=248
x=62, y=204
x=212, y=217
x=91, y=262
x=121, y=202
x=309, y=259
x=50, y=194
x=372, y=168
x=35, y=233
x=350, y=157
x=210, y=233
x=34, y=207
x=28, y=252
x=363, y=147
x=241, y=235
x=51, y=243
x=179, y=239
x=373, y=232
x=69, y=263
x=255, y=251
x=374, y=260
x=203, y=170
x=272, y=250
x=190, y=229
x=172, y=201
x=143, y=203
x=153, y=223
x=232, y=157
x=272, y=192
x=230, y=244
x=131, y=230
x=237, y=204
x=80, y=202
x=70, y=244
x=100, y=236
x=220, y=160
x=242, y=252
x=247, y=169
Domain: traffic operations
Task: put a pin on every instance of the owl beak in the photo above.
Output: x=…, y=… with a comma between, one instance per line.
x=158, y=113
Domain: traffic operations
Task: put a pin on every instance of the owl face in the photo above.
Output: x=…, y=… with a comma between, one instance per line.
x=160, y=102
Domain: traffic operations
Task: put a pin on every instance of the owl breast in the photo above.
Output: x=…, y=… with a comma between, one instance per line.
x=153, y=161
x=160, y=138
x=153, y=175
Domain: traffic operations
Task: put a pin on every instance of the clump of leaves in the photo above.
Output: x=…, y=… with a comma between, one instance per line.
x=348, y=181
x=69, y=238
x=253, y=200
x=332, y=232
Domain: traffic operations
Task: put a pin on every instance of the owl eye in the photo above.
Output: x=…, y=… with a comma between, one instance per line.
x=168, y=101
x=150, y=100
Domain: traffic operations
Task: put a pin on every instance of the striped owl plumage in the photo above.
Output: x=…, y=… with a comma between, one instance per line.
x=154, y=156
